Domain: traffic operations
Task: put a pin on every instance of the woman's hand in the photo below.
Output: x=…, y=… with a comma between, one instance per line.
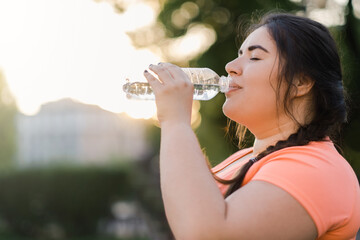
x=173, y=93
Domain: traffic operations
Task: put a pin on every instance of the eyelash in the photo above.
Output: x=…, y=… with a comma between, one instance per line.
x=255, y=59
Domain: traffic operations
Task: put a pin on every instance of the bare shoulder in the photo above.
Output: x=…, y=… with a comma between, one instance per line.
x=261, y=210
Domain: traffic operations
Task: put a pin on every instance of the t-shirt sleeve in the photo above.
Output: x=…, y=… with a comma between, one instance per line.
x=306, y=180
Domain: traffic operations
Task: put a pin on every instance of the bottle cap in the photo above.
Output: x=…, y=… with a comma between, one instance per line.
x=224, y=83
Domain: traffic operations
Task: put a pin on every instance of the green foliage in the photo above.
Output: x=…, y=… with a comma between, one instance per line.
x=14, y=237
x=8, y=112
x=145, y=179
x=60, y=202
x=220, y=15
x=349, y=43
x=69, y=202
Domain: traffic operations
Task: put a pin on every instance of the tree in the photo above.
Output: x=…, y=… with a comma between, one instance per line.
x=351, y=61
x=8, y=112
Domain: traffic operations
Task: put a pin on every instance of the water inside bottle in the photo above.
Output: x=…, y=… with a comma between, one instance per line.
x=143, y=91
x=205, y=91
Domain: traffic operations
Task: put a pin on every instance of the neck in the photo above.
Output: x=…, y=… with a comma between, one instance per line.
x=270, y=137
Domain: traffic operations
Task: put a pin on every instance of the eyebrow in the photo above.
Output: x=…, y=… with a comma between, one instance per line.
x=253, y=47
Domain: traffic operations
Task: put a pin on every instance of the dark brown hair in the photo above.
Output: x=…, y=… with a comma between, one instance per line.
x=306, y=49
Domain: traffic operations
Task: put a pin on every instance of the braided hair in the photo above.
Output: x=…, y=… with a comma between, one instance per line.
x=306, y=49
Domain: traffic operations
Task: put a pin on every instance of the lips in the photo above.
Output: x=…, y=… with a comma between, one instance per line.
x=233, y=88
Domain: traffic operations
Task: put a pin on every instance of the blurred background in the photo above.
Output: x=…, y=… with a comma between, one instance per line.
x=80, y=161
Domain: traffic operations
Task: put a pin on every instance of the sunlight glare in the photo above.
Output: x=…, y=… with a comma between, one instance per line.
x=356, y=6
x=198, y=39
x=138, y=15
x=343, y=2
x=140, y=109
x=53, y=49
x=328, y=17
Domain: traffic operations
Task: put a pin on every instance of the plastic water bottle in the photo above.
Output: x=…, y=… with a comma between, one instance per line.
x=207, y=84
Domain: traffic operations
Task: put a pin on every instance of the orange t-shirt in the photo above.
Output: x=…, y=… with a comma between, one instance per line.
x=317, y=176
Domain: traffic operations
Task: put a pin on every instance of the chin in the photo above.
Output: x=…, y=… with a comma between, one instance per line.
x=234, y=112
x=230, y=111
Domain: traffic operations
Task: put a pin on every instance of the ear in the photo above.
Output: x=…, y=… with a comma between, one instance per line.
x=303, y=86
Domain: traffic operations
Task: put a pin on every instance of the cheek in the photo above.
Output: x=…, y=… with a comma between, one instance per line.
x=251, y=106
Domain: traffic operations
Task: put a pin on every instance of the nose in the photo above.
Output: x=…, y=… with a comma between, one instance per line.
x=233, y=67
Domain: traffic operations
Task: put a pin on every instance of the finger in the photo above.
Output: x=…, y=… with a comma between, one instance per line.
x=178, y=73
x=162, y=72
x=154, y=83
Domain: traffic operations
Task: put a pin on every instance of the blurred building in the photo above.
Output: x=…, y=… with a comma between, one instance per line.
x=67, y=130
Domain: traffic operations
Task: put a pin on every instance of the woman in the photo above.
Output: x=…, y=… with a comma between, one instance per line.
x=286, y=88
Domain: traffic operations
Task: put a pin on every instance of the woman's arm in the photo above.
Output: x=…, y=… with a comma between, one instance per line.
x=192, y=201
x=194, y=206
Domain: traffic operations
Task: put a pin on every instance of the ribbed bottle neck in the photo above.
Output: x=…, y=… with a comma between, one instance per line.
x=224, y=82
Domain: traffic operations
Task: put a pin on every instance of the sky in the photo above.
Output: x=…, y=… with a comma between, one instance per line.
x=53, y=49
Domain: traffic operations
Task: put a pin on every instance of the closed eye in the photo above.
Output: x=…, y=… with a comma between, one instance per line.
x=255, y=59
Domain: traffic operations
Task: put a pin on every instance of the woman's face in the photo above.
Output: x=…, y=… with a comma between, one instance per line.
x=251, y=100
